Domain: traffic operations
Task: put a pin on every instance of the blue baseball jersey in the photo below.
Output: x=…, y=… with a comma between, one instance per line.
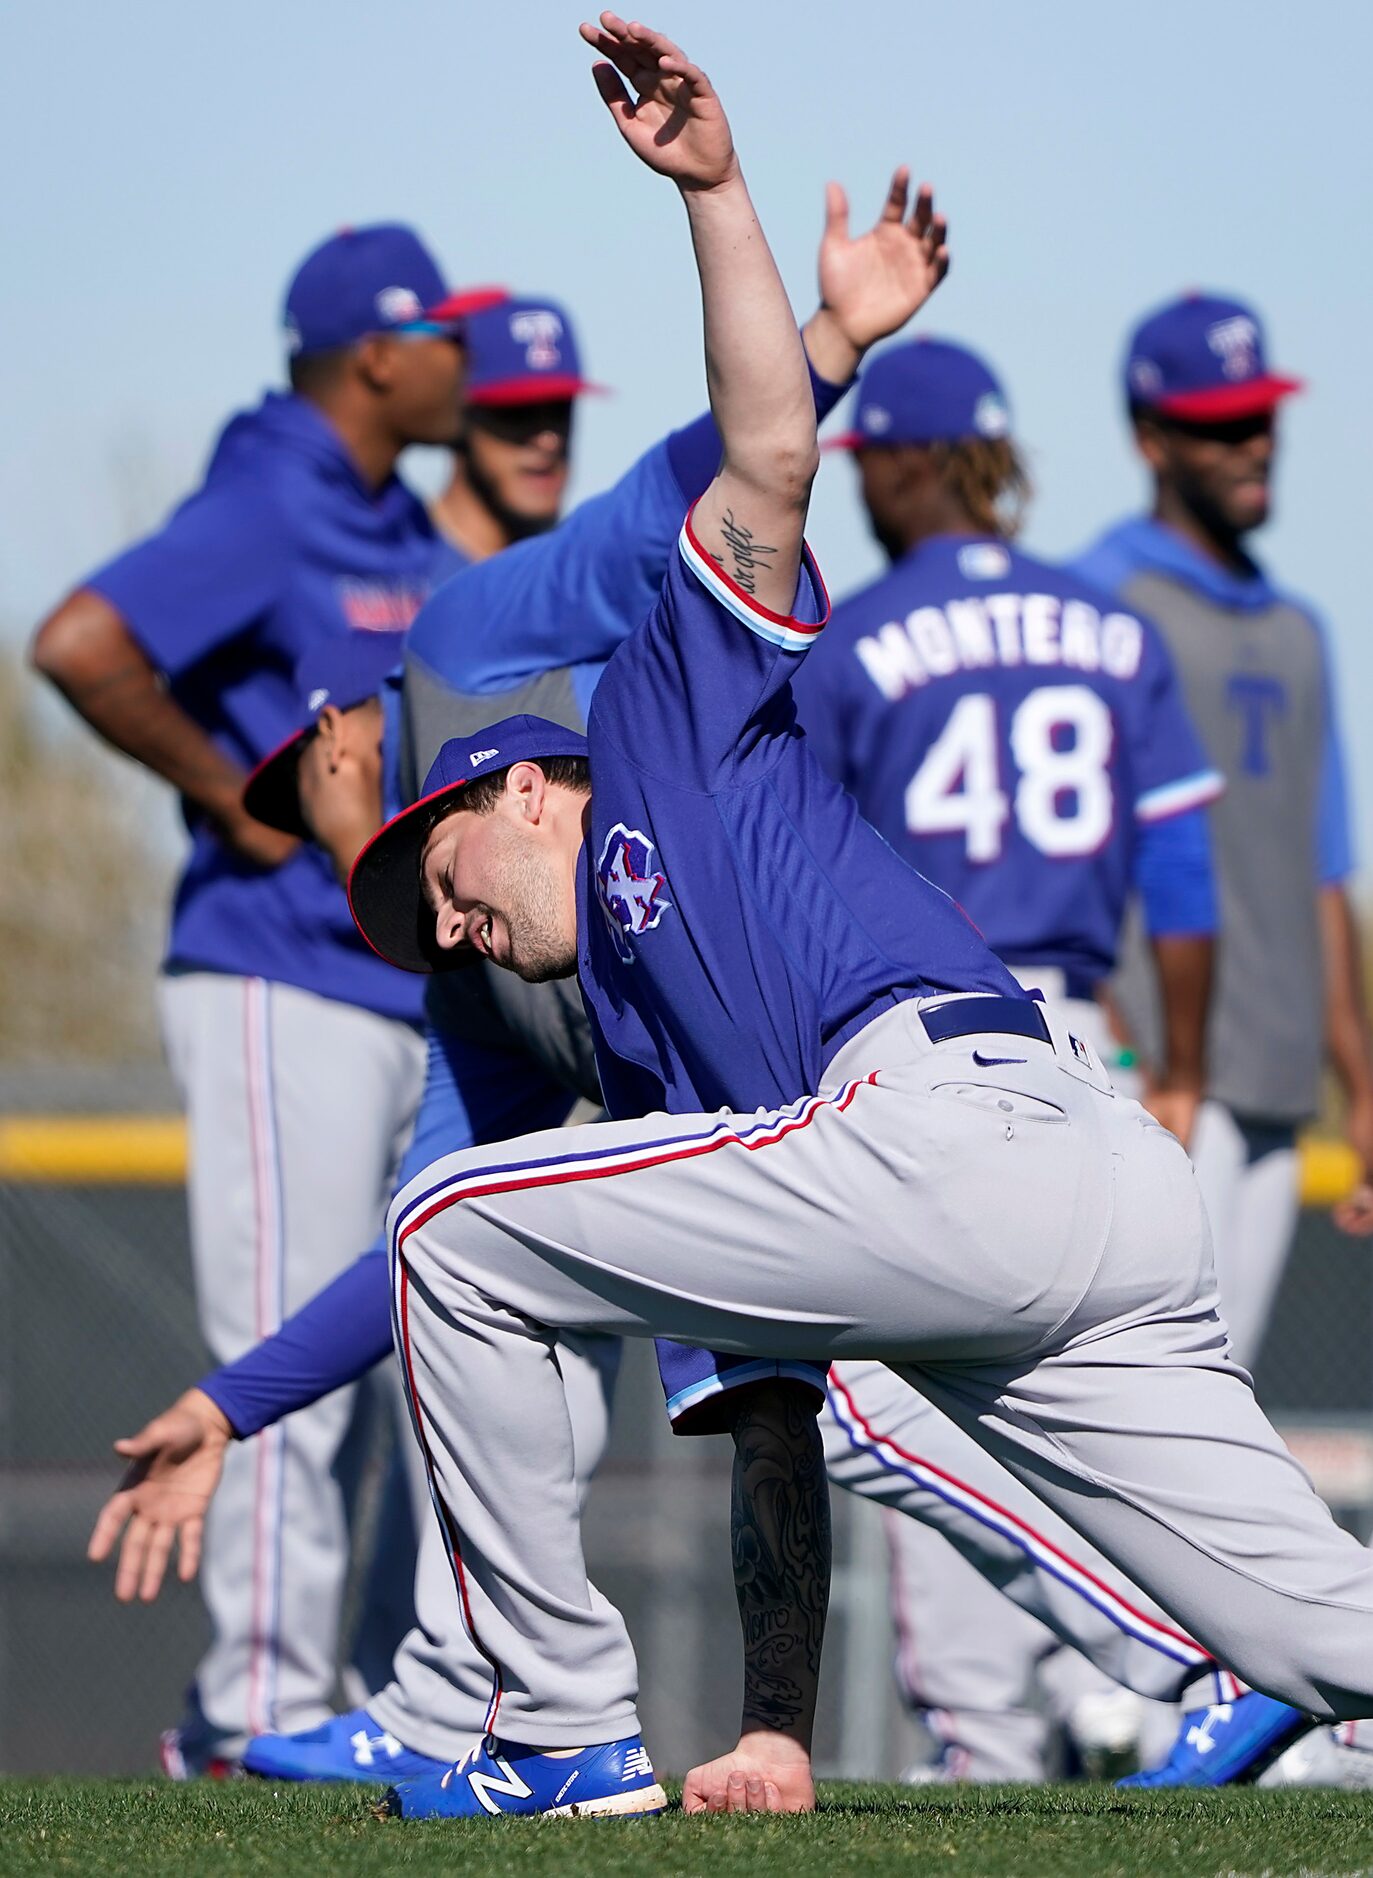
x=283, y=544
x=1012, y=732
x=738, y=919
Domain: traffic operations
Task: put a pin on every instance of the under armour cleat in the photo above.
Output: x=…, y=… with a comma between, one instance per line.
x=1230, y=1743
x=614, y=1780
x=350, y=1747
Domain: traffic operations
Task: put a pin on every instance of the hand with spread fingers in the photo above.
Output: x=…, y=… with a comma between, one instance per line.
x=675, y=123
x=871, y=284
x=174, y=1467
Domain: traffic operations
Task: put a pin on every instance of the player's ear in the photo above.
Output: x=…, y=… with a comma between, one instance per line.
x=330, y=734
x=1152, y=445
x=374, y=359
x=526, y=790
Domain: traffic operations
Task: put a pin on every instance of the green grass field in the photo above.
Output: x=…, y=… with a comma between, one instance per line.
x=136, y=1829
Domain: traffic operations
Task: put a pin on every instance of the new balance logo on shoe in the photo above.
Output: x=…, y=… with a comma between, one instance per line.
x=511, y=1784
x=637, y=1764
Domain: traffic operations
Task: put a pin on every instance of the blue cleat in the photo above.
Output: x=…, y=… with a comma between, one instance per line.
x=1230, y=1743
x=350, y=1747
x=616, y=1779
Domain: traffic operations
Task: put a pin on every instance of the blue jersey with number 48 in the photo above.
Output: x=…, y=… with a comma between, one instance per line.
x=1009, y=729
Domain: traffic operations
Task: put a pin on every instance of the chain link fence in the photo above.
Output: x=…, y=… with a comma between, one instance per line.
x=98, y=1330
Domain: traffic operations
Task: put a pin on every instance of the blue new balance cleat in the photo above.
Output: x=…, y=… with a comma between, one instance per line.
x=1230, y=1743
x=616, y=1779
x=350, y=1747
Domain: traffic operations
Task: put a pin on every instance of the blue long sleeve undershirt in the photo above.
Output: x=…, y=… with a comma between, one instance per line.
x=1174, y=875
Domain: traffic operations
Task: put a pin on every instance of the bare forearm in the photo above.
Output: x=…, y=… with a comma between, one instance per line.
x=755, y=366
x=1185, y=963
x=780, y=1530
x=1346, y=1011
x=97, y=665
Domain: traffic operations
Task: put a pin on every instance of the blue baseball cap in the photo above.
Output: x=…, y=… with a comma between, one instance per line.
x=927, y=391
x=384, y=889
x=522, y=351
x=380, y=279
x=343, y=671
x=1202, y=358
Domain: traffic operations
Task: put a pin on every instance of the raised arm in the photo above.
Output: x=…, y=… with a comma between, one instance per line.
x=752, y=516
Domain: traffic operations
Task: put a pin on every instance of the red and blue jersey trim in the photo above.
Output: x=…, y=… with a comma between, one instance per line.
x=779, y=629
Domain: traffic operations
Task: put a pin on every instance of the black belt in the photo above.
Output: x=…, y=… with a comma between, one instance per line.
x=966, y=1017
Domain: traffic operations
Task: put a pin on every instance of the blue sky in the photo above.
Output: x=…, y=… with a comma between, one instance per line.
x=165, y=165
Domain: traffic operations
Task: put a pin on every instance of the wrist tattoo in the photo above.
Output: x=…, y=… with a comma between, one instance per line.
x=746, y=554
x=780, y=1536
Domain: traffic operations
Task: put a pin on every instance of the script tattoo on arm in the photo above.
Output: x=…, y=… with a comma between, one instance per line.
x=780, y=1536
x=746, y=554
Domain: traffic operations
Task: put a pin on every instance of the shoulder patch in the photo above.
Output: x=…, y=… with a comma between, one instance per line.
x=630, y=890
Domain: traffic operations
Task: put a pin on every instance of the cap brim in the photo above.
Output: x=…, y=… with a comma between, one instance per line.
x=386, y=898
x=454, y=308
x=272, y=792
x=548, y=388
x=1219, y=402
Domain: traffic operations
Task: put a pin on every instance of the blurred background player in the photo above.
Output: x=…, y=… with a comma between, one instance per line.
x=512, y=458
x=1255, y=668
x=298, y=1053
x=1022, y=742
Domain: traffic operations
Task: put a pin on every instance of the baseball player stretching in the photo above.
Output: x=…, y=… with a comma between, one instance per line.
x=574, y=597
x=1020, y=740
x=1255, y=671
x=499, y=1063
x=298, y=1055
x=944, y=1179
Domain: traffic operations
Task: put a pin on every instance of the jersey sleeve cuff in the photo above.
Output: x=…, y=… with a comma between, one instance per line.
x=794, y=632
x=1177, y=798
x=704, y=1406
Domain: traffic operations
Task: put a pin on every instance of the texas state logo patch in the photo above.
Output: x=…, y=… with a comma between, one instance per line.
x=631, y=889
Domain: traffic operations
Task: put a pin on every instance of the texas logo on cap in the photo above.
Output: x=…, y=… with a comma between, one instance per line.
x=1202, y=359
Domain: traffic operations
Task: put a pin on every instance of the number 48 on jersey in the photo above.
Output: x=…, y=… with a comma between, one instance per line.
x=1060, y=740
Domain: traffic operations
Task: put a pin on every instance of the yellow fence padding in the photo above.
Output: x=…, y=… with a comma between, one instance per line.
x=150, y=1150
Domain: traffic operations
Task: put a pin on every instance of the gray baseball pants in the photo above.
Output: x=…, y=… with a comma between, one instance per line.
x=1249, y=1180
x=1027, y=1249
x=440, y=1689
x=298, y=1108
x=970, y=1633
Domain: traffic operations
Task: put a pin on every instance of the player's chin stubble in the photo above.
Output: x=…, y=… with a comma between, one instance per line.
x=539, y=948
